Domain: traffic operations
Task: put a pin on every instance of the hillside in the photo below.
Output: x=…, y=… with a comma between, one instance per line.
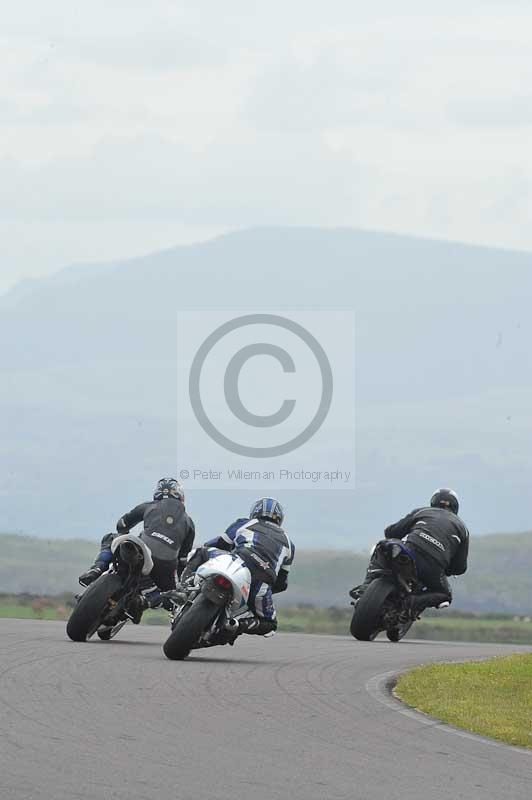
x=443, y=379
x=499, y=578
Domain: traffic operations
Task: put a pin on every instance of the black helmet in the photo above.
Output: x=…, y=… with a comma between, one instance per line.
x=169, y=487
x=445, y=498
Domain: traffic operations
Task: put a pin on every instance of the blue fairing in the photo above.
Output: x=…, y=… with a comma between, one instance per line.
x=402, y=545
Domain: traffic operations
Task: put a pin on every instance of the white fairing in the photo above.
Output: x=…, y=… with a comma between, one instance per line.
x=233, y=568
x=130, y=537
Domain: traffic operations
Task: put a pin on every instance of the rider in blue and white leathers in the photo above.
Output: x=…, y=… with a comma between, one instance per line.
x=262, y=544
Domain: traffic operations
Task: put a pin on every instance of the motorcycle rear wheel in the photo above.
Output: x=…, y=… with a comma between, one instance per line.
x=189, y=628
x=367, y=616
x=396, y=634
x=92, y=607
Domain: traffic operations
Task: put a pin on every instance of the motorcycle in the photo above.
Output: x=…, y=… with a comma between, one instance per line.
x=108, y=603
x=209, y=605
x=385, y=604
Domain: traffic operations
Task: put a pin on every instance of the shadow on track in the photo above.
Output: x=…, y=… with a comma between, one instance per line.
x=236, y=661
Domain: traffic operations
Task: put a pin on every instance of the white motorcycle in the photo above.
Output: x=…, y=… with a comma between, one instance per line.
x=209, y=605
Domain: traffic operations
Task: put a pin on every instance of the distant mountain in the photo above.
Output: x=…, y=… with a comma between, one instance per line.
x=499, y=578
x=443, y=371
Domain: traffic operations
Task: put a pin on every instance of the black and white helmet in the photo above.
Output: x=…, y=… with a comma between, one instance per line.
x=169, y=487
x=267, y=508
x=445, y=498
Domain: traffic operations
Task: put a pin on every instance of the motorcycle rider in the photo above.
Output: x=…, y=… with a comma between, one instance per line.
x=169, y=533
x=439, y=541
x=262, y=544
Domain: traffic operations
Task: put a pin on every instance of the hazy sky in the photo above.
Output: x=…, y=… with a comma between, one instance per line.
x=126, y=127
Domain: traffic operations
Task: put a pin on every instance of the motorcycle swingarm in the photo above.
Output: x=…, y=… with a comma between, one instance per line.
x=216, y=634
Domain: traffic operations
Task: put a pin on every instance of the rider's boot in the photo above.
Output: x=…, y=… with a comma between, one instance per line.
x=92, y=574
x=258, y=626
x=135, y=608
x=416, y=603
x=357, y=591
x=101, y=564
x=374, y=566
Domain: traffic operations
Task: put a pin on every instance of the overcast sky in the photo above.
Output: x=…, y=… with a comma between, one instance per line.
x=126, y=127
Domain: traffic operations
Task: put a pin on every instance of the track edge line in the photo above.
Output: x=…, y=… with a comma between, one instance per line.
x=382, y=688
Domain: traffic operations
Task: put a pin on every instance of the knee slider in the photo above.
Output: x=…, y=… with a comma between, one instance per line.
x=266, y=626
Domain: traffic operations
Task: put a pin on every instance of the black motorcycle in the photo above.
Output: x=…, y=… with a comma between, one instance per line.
x=386, y=603
x=114, y=598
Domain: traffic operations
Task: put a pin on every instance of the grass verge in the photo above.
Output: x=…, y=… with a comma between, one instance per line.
x=304, y=618
x=493, y=698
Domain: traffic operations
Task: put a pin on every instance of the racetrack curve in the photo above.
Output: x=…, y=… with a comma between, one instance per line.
x=295, y=717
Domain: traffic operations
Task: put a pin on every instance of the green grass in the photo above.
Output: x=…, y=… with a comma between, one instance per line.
x=27, y=612
x=493, y=698
x=302, y=619
x=477, y=629
x=306, y=618
x=444, y=626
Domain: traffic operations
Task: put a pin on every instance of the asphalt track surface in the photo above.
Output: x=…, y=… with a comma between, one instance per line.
x=294, y=717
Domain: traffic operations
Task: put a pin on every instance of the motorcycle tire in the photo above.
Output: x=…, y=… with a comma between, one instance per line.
x=92, y=607
x=189, y=628
x=396, y=634
x=366, y=622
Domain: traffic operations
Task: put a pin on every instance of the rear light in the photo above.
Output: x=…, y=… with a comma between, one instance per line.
x=222, y=583
x=403, y=559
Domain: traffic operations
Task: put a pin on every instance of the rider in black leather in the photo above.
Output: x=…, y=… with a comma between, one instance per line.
x=439, y=540
x=169, y=533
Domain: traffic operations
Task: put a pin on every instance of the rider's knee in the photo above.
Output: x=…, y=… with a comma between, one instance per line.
x=107, y=541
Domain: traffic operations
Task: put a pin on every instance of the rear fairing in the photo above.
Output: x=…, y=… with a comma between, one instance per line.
x=233, y=568
x=399, y=562
x=143, y=547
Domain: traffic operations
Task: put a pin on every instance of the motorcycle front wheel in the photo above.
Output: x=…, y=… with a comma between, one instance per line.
x=189, y=628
